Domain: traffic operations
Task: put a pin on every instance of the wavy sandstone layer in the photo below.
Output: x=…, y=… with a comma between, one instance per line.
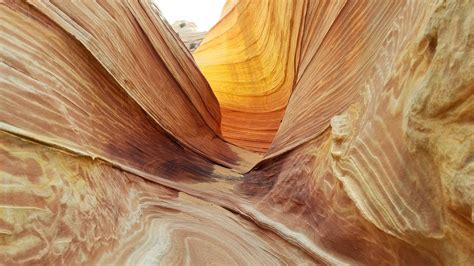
x=112, y=149
x=249, y=60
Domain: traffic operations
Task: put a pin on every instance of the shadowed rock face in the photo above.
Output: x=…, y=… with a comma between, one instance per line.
x=115, y=149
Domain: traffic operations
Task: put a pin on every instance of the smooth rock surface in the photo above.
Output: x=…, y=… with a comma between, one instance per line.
x=112, y=149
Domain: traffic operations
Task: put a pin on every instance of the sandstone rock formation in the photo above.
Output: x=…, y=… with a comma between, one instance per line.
x=112, y=149
x=189, y=34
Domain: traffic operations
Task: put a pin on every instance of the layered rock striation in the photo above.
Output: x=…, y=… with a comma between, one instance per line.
x=305, y=132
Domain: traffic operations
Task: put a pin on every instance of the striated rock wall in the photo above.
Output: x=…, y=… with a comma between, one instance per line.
x=61, y=208
x=112, y=149
x=249, y=60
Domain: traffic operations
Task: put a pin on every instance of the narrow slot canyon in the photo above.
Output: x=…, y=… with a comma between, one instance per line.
x=292, y=132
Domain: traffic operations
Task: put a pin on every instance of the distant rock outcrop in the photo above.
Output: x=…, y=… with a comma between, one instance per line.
x=189, y=34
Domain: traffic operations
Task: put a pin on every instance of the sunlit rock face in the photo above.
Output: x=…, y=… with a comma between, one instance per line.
x=249, y=59
x=115, y=149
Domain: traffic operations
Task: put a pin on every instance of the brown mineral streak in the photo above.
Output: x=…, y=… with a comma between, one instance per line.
x=330, y=132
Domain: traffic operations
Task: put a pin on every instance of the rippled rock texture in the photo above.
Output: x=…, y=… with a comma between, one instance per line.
x=319, y=132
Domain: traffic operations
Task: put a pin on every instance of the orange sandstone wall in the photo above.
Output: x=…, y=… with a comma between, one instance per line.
x=114, y=149
x=249, y=60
